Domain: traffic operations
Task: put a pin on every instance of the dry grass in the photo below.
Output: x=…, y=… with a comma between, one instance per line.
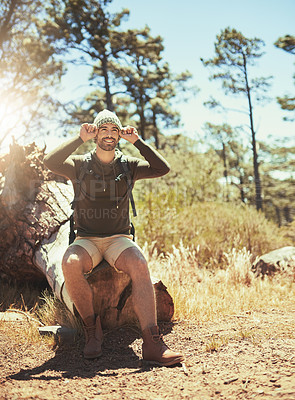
x=204, y=294
x=199, y=293
x=28, y=334
x=53, y=312
x=208, y=274
x=21, y=296
x=211, y=228
x=46, y=310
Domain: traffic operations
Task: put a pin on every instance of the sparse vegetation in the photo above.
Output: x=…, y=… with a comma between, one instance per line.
x=211, y=229
x=52, y=311
x=203, y=294
x=207, y=270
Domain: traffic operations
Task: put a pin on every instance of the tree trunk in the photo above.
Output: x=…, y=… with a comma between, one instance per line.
x=155, y=130
x=34, y=227
x=258, y=195
x=104, y=65
x=225, y=174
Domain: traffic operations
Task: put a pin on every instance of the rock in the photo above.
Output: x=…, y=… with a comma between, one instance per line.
x=62, y=334
x=280, y=261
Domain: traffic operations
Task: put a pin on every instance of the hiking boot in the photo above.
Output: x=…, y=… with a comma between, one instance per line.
x=93, y=340
x=155, y=350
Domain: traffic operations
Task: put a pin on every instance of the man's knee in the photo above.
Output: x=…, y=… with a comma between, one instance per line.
x=139, y=268
x=133, y=262
x=76, y=259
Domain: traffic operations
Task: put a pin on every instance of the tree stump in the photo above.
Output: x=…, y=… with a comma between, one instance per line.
x=34, y=226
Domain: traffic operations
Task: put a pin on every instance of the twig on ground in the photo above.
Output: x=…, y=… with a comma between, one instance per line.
x=184, y=368
x=28, y=316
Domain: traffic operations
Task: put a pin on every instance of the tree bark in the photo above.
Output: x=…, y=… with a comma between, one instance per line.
x=34, y=226
x=34, y=203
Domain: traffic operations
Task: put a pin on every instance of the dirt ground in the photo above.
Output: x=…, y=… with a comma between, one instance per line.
x=247, y=356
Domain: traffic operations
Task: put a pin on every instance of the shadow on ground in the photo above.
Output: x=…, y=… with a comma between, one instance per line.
x=121, y=350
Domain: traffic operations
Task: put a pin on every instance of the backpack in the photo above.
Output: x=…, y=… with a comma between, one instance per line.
x=86, y=168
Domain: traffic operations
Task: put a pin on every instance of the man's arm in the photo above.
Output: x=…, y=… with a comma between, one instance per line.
x=59, y=160
x=154, y=164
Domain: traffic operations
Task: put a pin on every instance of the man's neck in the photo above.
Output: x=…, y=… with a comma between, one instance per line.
x=105, y=157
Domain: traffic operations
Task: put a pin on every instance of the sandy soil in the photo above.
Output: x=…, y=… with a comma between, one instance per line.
x=244, y=356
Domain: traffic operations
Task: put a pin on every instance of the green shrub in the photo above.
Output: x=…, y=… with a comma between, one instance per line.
x=210, y=228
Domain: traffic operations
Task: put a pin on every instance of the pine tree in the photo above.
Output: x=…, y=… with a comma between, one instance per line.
x=234, y=55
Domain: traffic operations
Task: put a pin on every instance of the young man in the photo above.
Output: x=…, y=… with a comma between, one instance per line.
x=103, y=228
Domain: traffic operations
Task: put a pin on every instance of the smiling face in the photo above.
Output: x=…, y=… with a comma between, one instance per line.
x=107, y=137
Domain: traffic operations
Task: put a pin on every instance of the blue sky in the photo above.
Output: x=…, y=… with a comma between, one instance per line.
x=189, y=30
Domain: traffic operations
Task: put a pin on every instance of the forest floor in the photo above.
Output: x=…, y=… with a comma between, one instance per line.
x=247, y=356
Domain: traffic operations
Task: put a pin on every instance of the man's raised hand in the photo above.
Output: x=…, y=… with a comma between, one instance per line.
x=88, y=131
x=129, y=133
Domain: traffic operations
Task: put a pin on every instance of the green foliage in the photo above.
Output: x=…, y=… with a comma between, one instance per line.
x=276, y=163
x=225, y=141
x=194, y=174
x=88, y=27
x=287, y=43
x=277, y=167
x=210, y=228
x=234, y=54
x=148, y=81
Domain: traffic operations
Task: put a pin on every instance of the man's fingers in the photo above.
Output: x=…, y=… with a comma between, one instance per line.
x=93, y=128
x=129, y=130
x=90, y=128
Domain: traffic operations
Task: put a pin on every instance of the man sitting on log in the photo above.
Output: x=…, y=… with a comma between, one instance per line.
x=103, y=228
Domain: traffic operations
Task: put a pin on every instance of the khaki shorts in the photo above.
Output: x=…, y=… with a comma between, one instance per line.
x=109, y=247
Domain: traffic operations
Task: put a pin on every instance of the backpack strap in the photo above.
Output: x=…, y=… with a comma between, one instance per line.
x=126, y=171
x=85, y=167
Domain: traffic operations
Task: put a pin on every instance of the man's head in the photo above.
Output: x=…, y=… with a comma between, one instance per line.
x=109, y=128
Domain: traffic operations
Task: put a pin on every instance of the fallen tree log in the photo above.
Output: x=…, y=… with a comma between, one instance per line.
x=34, y=227
x=33, y=205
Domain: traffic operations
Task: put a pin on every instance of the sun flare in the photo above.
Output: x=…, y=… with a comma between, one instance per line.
x=10, y=121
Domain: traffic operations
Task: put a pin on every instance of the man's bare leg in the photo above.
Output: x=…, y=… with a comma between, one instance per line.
x=76, y=262
x=132, y=262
